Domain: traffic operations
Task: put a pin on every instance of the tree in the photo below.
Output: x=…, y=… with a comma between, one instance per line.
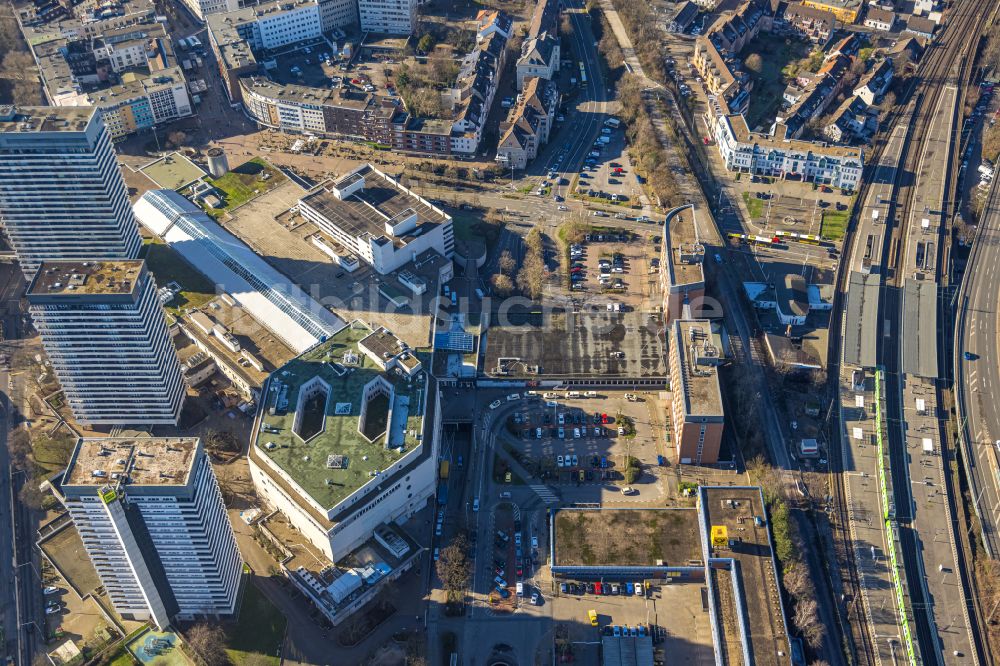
x=507, y=263
x=991, y=143
x=453, y=567
x=502, y=284
x=444, y=69
x=30, y=495
x=755, y=63
x=221, y=441
x=574, y=229
x=426, y=43
x=208, y=641
x=531, y=278
x=534, y=241
x=177, y=139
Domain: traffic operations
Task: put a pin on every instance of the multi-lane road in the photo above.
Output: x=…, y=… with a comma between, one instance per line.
x=977, y=377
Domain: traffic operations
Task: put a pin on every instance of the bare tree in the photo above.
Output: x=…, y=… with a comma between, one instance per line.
x=208, y=641
x=502, y=284
x=507, y=263
x=453, y=567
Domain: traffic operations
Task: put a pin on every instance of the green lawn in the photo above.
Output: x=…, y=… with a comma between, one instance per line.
x=769, y=84
x=123, y=658
x=754, y=205
x=244, y=183
x=168, y=266
x=260, y=630
x=471, y=228
x=834, y=224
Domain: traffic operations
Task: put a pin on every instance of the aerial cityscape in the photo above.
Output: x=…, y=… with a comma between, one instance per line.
x=499, y=332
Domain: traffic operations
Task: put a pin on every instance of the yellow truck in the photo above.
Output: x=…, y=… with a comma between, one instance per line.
x=592, y=614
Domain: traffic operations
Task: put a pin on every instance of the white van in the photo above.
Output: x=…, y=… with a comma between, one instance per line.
x=520, y=589
x=572, y=394
x=591, y=394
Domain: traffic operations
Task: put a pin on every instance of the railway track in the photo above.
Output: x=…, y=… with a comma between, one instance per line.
x=946, y=62
x=946, y=67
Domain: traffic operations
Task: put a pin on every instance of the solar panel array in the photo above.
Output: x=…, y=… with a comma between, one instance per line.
x=458, y=341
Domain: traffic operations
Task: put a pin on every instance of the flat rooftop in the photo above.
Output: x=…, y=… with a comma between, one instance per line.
x=148, y=461
x=694, y=340
x=254, y=338
x=346, y=371
x=735, y=509
x=76, y=278
x=366, y=211
x=578, y=344
x=684, y=249
x=627, y=537
x=29, y=119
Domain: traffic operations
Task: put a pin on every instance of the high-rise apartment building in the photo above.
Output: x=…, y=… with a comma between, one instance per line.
x=394, y=17
x=61, y=194
x=151, y=517
x=103, y=329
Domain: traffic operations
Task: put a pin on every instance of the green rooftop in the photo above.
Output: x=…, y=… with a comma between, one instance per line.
x=346, y=370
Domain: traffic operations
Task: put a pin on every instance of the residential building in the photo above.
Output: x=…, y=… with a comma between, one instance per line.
x=103, y=330
x=379, y=220
x=490, y=21
x=685, y=16
x=926, y=7
x=540, y=54
x=202, y=8
x=475, y=87
x=880, y=19
x=142, y=102
x=321, y=111
x=348, y=438
x=815, y=24
x=682, y=275
x=153, y=523
x=852, y=119
x=921, y=27
x=393, y=17
x=539, y=58
x=61, y=193
x=527, y=128
x=845, y=10
x=778, y=155
x=734, y=30
x=696, y=411
x=874, y=83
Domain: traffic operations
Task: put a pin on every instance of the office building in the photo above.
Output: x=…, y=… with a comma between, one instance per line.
x=103, y=330
x=202, y=8
x=152, y=520
x=61, y=194
x=347, y=438
x=378, y=219
x=696, y=399
x=682, y=274
x=393, y=17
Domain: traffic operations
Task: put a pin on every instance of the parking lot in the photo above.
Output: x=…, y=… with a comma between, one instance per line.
x=619, y=264
x=607, y=175
x=585, y=443
x=674, y=614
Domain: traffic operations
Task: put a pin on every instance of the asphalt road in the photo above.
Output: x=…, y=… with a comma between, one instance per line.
x=977, y=379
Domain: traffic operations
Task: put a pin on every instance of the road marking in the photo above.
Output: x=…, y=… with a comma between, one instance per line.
x=544, y=493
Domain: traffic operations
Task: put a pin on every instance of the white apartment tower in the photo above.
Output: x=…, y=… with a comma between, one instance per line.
x=394, y=17
x=152, y=519
x=103, y=329
x=61, y=193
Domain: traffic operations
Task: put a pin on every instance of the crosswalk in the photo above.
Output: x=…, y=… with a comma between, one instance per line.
x=546, y=494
